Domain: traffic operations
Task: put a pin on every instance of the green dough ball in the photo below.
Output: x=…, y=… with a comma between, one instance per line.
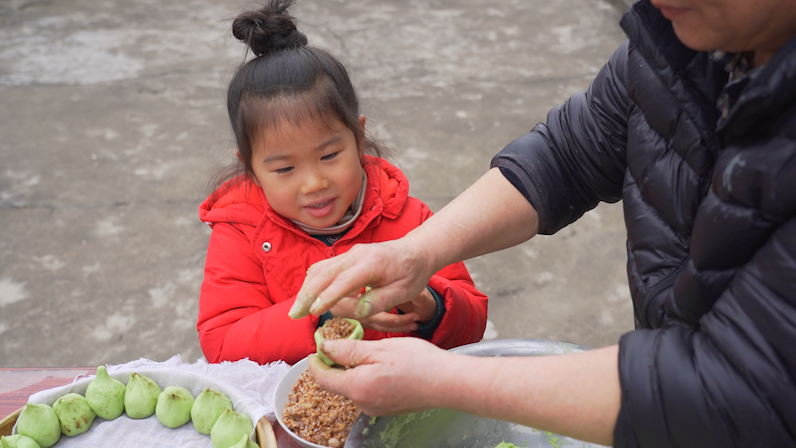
x=18, y=441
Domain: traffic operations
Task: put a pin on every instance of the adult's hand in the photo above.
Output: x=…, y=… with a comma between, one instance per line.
x=384, y=321
x=391, y=376
x=575, y=394
x=393, y=270
x=489, y=216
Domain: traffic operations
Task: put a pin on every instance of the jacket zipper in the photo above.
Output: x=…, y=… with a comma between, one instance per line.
x=330, y=249
x=657, y=289
x=346, y=237
x=301, y=234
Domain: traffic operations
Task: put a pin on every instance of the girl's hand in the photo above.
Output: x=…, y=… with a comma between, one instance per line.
x=423, y=305
x=395, y=271
x=386, y=378
x=383, y=321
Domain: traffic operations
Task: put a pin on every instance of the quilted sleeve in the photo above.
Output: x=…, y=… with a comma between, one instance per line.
x=566, y=166
x=464, y=321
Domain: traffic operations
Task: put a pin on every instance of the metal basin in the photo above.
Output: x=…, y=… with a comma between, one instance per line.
x=445, y=428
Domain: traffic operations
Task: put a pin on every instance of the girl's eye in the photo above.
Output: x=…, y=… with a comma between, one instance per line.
x=284, y=170
x=330, y=156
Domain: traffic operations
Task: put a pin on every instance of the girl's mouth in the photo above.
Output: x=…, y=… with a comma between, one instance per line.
x=321, y=208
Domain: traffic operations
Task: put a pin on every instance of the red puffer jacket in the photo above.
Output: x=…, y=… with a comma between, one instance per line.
x=257, y=260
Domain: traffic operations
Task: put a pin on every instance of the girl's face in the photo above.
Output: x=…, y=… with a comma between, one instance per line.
x=731, y=25
x=309, y=173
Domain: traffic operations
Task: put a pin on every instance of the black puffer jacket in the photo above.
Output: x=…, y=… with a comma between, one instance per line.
x=710, y=211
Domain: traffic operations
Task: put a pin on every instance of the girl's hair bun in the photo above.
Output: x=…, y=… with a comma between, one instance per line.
x=269, y=29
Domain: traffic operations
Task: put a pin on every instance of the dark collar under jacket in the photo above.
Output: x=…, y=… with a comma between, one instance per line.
x=760, y=105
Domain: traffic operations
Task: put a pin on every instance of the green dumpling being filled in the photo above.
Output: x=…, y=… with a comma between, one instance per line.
x=337, y=328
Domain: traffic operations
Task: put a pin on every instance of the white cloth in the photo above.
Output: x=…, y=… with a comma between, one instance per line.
x=248, y=385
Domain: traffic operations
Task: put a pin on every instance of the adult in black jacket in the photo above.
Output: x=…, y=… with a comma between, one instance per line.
x=701, y=147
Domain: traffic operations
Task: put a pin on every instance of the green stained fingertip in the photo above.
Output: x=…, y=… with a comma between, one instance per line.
x=295, y=310
x=363, y=310
x=316, y=306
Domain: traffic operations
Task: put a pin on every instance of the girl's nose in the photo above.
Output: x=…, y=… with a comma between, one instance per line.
x=314, y=181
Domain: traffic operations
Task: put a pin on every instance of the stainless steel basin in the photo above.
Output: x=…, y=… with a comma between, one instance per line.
x=445, y=428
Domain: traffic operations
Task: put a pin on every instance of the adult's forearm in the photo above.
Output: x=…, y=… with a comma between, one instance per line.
x=577, y=395
x=489, y=216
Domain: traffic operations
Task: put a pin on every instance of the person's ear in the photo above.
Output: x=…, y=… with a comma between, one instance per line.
x=249, y=175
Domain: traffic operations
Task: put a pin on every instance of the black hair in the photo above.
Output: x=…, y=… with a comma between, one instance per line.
x=287, y=80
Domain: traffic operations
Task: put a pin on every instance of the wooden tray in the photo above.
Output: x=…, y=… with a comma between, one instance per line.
x=263, y=431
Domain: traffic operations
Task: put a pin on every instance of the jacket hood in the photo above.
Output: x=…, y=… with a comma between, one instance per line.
x=241, y=201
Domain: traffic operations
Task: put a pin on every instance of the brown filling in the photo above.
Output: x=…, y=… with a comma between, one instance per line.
x=319, y=416
x=337, y=328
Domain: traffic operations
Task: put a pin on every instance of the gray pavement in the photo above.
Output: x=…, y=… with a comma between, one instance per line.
x=112, y=118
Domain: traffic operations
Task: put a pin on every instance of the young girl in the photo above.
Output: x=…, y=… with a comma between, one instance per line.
x=305, y=190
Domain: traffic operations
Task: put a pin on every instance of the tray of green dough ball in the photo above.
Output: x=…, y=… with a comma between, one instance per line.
x=150, y=404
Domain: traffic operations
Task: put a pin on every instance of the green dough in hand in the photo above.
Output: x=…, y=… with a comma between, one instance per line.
x=358, y=334
x=506, y=445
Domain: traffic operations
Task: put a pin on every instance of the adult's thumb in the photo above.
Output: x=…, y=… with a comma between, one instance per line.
x=330, y=378
x=344, y=352
x=379, y=299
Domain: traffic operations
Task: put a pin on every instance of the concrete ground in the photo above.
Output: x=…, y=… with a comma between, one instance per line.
x=112, y=119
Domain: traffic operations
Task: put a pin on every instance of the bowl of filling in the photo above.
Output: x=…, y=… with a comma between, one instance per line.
x=312, y=416
x=446, y=428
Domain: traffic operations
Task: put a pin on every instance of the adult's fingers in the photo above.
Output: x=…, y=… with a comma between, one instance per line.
x=333, y=379
x=380, y=299
x=327, y=282
x=344, y=352
x=385, y=377
x=394, y=273
x=392, y=323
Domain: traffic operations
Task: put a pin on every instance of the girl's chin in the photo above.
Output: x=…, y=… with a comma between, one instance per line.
x=322, y=222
